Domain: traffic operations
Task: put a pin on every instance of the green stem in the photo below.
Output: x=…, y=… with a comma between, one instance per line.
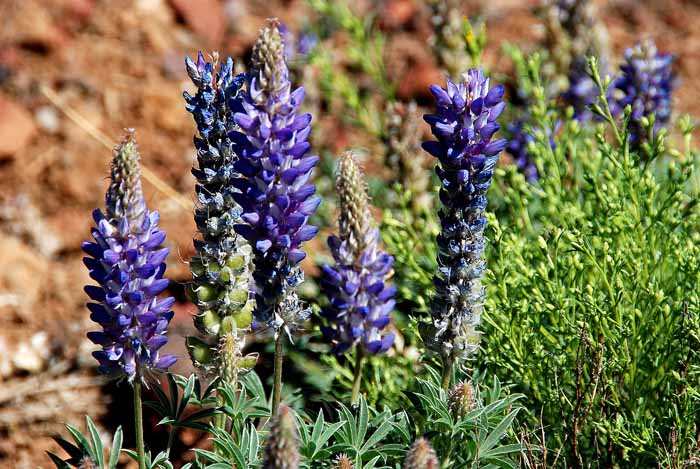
x=446, y=373
x=220, y=419
x=171, y=437
x=277, y=384
x=138, y=417
x=357, y=377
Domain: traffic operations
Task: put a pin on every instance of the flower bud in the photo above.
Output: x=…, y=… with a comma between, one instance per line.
x=421, y=456
x=282, y=447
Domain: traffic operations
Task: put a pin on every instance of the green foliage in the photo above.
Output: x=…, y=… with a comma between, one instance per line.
x=87, y=452
x=172, y=408
x=482, y=437
x=592, y=306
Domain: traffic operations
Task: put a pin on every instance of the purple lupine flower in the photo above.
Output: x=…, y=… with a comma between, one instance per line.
x=582, y=91
x=296, y=47
x=464, y=126
x=276, y=194
x=646, y=84
x=360, y=299
x=127, y=262
x=520, y=139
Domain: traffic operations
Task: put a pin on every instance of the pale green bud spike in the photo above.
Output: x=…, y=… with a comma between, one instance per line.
x=268, y=60
x=231, y=361
x=355, y=219
x=421, y=456
x=282, y=448
x=125, y=195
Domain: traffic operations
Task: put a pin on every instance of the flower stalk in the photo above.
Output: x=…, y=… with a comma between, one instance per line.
x=138, y=424
x=464, y=125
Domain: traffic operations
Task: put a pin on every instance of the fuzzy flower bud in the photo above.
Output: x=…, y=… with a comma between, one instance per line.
x=421, y=456
x=343, y=462
x=646, y=84
x=360, y=299
x=464, y=126
x=128, y=264
x=282, y=448
x=275, y=192
x=449, y=41
x=461, y=399
x=403, y=132
x=220, y=269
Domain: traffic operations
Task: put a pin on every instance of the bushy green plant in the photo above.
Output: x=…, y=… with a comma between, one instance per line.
x=592, y=309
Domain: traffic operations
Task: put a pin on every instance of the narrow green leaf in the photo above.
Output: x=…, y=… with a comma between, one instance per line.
x=116, y=448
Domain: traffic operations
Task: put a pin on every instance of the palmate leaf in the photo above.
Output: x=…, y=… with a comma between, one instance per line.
x=171, y=408
x=84, y=449
x=160, y=461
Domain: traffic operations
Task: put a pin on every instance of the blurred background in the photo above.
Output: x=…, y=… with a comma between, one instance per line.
x=74, y=73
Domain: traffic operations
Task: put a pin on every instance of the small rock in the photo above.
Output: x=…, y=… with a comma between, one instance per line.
x=205, y=17
x=397, y=13
x=47, y=119
x=27, y=358
x=16, y=127
x=23, y=276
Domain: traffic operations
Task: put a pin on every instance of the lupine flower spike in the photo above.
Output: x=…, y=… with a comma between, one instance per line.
x=275, y=192
x=421, y=456
x=282, y=447
x=128, y=262
x=574, y=33
x=646, y=84
x=403, y=139
x=360, y=299
x=464, y=125
x=221, y=275
x=449, y=42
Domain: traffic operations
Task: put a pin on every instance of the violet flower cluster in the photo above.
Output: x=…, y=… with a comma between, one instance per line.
x=220, y=269
x=464, y=126
x=127, y=262
x=360, y=300
x=276, y=194
x=646, y=84
x=520, y=138
x=517, y=146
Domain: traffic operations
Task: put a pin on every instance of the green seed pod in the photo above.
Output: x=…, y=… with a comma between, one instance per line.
x=205, y=293
x=200, y=352
x=208, y=322
x=421, y=456
x=244, y=318
x=196, y=267
x=236, y=263
x=238, y=298
x=248, y=362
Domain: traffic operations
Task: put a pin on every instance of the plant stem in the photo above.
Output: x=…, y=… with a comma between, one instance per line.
x=171, y=437
x=277, y=384
x=357, y=377
x=138, y=420
x=220, y=419
x=446, y=373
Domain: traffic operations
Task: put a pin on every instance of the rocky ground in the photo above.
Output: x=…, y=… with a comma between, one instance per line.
x=74, y=73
